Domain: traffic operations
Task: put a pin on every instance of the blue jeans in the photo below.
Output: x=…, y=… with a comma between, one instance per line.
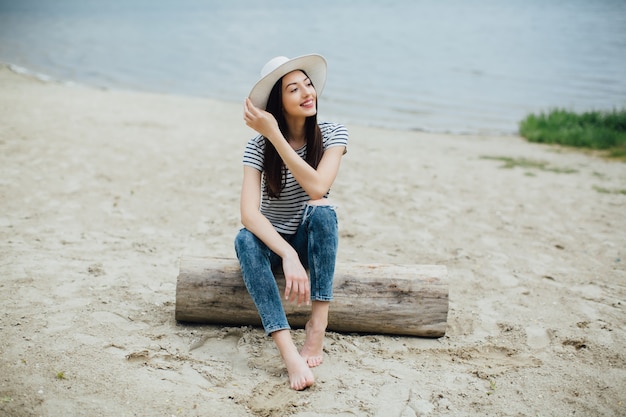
x=315, y=241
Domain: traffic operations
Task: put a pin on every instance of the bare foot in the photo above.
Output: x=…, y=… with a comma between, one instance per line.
x=300, y=375
x=312, y=350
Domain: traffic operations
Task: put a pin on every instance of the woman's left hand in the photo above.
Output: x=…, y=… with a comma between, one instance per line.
x=260, y=120
x=297, y=286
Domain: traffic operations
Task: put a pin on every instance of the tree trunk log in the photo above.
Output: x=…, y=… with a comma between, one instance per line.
x=369, y=298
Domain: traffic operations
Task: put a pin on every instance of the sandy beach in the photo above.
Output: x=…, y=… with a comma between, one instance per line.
x=102, y=192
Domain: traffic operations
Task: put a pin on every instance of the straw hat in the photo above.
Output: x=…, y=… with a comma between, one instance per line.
x=314, y=65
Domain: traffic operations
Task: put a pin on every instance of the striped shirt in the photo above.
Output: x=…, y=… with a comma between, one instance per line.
x=285, y=212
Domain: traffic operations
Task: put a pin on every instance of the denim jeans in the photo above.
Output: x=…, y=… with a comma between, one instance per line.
x=315, y=241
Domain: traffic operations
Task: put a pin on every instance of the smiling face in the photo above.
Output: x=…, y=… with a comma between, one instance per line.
x=299, y=96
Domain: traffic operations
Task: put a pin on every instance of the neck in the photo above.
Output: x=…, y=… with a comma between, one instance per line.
x=296, y=134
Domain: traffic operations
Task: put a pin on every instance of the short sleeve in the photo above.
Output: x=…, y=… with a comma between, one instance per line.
x=253, y=154
x=334, y=134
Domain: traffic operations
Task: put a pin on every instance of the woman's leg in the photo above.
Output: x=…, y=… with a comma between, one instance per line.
x=319, y=235
x=256, y=261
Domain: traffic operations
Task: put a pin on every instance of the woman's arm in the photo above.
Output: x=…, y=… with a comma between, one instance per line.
x=297, y=286
x=316, y=182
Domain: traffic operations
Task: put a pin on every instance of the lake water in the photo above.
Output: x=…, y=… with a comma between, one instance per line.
x=454, y=65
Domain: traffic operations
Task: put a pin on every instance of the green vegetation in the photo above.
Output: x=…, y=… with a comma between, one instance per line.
x=509, y=162
x=605, y=131
x=609, y=191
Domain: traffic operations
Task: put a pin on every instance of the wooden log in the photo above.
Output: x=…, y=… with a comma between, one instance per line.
x=369, y=298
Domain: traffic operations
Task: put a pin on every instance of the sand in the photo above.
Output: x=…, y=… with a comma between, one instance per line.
x=101, y=192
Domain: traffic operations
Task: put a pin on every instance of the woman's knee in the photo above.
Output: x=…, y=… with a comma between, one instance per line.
x=324, y=218
x=246, y=241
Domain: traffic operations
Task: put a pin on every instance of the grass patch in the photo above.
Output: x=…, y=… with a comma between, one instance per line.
x=603, y=190
x=604, y=131
x=510, y=163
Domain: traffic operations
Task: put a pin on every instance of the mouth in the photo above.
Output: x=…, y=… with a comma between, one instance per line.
x=308, y=104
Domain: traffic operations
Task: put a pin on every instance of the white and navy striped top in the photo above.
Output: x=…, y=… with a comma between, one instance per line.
x=285, y=212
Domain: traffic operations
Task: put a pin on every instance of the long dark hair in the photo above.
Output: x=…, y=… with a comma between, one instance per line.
x=275, y=170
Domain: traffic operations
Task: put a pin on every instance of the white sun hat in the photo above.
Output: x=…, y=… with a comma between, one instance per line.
x=313, y=64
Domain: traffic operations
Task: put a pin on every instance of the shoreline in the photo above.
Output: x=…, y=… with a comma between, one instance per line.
x=102, y=191
x=42, y=77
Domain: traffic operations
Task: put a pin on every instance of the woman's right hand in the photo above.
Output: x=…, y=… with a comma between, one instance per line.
x=260, y=120
x=297, y=286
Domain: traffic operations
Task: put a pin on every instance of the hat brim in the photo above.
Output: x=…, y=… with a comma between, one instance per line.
x=314, y=65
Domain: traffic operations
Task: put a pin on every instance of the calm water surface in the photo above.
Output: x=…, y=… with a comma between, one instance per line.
x=457, y=66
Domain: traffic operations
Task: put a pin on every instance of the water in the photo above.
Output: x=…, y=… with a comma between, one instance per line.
x=454, y=66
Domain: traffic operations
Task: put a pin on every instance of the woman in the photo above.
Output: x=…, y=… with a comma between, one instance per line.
x=287, y=217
